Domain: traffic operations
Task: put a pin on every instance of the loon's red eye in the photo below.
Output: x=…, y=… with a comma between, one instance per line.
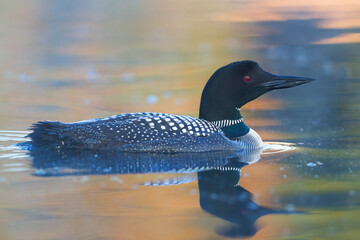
x=247, y=78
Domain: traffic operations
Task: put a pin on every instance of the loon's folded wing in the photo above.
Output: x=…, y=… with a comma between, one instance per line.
x=133, y=132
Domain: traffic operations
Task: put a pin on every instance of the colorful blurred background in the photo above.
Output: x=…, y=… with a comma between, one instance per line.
x=74, y=60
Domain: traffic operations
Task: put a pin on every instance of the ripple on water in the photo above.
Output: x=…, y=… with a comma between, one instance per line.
x=6, y=135
x=277, y=147
x=9, y=152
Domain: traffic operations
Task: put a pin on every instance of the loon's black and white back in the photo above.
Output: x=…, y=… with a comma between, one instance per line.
x=220, y=126
x=139, y=132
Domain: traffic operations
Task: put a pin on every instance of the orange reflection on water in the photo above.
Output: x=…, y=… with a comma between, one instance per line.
x=262, y=10
x=341, y=39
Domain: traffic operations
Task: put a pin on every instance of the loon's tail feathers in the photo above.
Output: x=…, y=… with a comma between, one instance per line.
x=46, y=132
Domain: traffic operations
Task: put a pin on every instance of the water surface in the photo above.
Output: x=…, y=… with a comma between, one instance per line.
x=69, y=61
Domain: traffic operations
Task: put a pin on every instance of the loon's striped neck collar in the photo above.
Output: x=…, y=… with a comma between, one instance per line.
x=233, y=128
x=227, y=122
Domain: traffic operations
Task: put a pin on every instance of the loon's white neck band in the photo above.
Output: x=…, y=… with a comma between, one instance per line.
x=226, y=122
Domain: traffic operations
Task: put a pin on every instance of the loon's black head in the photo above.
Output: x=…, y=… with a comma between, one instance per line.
x=238, y=83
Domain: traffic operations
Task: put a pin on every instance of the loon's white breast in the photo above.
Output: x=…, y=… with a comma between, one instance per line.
x=252, y=140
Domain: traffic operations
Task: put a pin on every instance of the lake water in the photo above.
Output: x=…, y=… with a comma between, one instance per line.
x=75, y=60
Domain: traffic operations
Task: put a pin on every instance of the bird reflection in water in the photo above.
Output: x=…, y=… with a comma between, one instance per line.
x=69, y=162
x=218, y=177
x=221, y=196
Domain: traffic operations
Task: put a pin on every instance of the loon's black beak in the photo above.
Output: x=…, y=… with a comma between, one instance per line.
x=280, y=82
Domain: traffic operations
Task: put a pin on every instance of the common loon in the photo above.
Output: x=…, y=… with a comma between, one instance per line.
x=220, y=126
